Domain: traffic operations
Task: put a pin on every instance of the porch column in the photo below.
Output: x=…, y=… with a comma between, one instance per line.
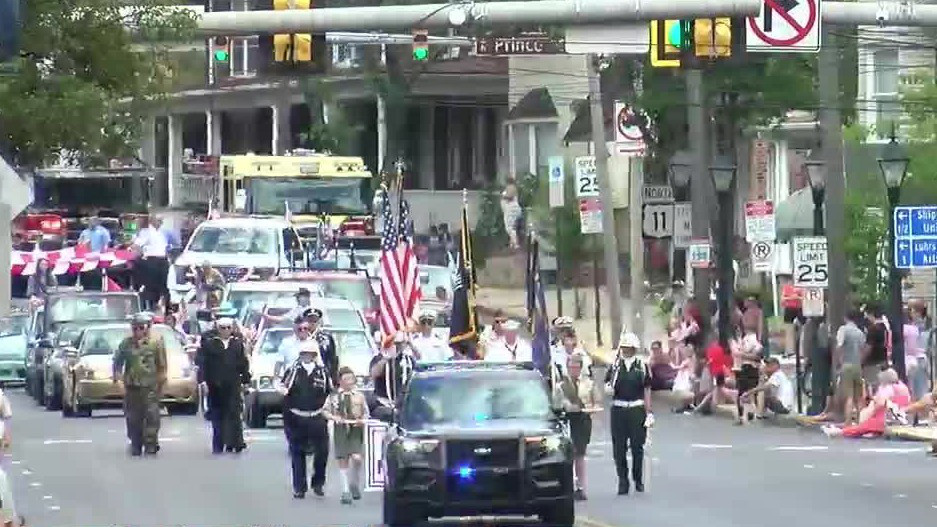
x=213, y=132
x=174, y=155
x=281, y=140
x=479, y=120
x=512, y=153
x=381, y=133
x=147, y=151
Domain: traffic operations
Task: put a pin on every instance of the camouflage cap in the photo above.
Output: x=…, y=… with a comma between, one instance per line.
x=142, y=317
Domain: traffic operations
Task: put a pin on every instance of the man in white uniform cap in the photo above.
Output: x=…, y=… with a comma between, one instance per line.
x=511, y=348
x=628, y=382
x=427, y=346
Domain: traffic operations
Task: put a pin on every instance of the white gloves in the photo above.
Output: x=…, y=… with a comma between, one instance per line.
x=609, y=391
x=649, y=420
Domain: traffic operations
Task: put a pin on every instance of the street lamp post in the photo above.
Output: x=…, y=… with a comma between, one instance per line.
x=820, y=362
x=894, y=166
x=722, y=172
x=681, y=169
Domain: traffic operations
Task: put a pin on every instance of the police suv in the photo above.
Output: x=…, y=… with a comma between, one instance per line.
x=475, y=438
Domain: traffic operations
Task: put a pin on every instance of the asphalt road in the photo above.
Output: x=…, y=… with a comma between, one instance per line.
x=75, y=472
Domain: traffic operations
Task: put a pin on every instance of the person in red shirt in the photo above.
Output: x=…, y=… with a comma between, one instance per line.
x=719, y=363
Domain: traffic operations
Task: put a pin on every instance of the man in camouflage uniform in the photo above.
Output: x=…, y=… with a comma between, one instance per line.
x=141, y=361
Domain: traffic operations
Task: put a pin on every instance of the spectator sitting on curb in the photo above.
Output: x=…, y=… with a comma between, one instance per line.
x=778, y=390
x=922, y=406
x=890, y=400
x=684, y=381
x=662, y=370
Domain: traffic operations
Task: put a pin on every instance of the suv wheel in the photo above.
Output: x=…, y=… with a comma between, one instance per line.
x=54, y=401
x=562, y=514
x=396, y=515
x=256, y=416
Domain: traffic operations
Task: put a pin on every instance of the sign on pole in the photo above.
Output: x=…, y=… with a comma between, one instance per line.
x=587, y=182
x=557, y=182
x=682, y=225
x=658, y=220
x=759, y=221
x=628, y=135
x=762, y=257
x=590, y=215
x=915, y=237
x=785, y=26
x=522, y=45
x=810, y=262
x=657, y=194
x=699, y=254
x=812, y=305
x=374, y=432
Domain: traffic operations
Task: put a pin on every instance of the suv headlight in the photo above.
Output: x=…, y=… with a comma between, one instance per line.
x=416, y=446
x=265, y=382
x=84, y=373
x=547, y=444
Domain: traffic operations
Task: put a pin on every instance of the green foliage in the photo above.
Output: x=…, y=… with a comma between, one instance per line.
x=866, y=238
x=489, y=234
x=559, y=227
x=84, y=79
x=334, y=136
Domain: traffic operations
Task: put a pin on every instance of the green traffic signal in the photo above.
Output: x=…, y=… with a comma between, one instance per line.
x=420, y=54
x=221, y=55
x=675, y=35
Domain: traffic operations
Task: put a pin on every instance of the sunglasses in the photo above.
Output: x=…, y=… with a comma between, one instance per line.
x=303, y=328
x=138, y=327
x=500, y=320
x=225, y=327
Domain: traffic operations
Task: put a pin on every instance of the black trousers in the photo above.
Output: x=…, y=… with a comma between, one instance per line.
x=224, y=410
x=307, y=435
x=152, y=275
x=628, y=431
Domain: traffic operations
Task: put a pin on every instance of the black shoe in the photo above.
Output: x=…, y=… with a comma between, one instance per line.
x=136, y=452
x=239, y=449
x=299, y=495
x=217, y=451
x=317, y=490
x=355, y=492
x=639, y=487
x=623, y=490
x=579, y=495
x=152, y=451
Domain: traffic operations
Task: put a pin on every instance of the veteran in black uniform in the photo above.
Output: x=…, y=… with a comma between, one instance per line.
x=306, y=386
x=390, y=370
x=327, y=350
x=224, y=368
x=628, y=383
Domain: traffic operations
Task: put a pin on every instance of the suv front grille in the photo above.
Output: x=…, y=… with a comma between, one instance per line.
x=483, y=453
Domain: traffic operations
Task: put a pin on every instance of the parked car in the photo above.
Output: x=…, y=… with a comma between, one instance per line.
x=87, y=383
x=61, y=308
x=14, y=343
x=243, y=294
x=350, y=285
x=54, y=366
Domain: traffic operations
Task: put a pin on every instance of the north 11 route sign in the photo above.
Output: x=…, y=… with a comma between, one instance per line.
x=785, y=26
x=915, y=237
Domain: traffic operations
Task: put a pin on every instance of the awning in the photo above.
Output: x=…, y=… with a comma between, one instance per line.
x=536, y=104
x=794, y=216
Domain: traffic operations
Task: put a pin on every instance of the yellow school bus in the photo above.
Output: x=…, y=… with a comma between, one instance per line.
x=304, y=185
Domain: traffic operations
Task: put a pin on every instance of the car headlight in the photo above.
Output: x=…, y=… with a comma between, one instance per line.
x=548, y=444
x=84, y=373
x=414, y=446
x=265, y=382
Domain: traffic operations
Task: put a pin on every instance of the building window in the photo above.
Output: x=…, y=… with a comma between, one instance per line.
x=885, y=80
x=346, y=56
x=534, y=143
x=245, y=56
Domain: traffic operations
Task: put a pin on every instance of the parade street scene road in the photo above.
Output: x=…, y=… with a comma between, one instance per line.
x=76, y=472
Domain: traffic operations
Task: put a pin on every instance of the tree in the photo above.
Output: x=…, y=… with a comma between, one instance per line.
x=87, y=72
x=866, y=246
x=332, y=136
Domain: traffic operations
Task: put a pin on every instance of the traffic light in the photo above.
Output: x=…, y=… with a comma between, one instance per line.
x=669, y=38
x=420, y=45
x=221, y=49
x=712, y=37
x=292, y=48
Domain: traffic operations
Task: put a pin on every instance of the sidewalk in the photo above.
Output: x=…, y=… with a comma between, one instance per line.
x=513, y=302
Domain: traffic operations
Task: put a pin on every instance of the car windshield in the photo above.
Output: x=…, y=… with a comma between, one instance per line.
x=243, y=300
x=341, y=196
x=91, y=307
x=272, y=339
x=358, y=291
x=355, y=350
x=363, y=260
x=234, y=240
x=465, y=400
x=335, y=318
x=104, y=341
x=67, y=334
x=14, y=325
x=435, y=278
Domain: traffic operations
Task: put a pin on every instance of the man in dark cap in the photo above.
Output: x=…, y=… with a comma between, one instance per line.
x=141, y=362
x=326, y=341
x=303, y=301
x=224, y=368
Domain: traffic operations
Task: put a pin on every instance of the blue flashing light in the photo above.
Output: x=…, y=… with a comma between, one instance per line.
x=480, y=416
x=466, y=472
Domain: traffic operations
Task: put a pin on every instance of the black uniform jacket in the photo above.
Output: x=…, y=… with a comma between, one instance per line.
x=219, y=367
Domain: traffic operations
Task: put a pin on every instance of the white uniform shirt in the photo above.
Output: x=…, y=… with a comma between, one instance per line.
x=431, y=348
x=289, y=350
x=152, y=242
x=501, y=351
x=783, y=389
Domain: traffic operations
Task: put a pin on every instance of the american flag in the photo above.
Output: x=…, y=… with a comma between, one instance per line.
x=400, y=280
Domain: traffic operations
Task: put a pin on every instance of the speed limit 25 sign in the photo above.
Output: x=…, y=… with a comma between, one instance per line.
x=810, y=262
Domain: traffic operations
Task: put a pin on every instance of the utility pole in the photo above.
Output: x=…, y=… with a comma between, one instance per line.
x=612, y=279
x=636, y=187
x=701, y=191
x=832, y=126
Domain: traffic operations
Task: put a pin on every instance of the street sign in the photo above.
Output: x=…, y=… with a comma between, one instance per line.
x=657, y=194
x=762, y=257
x=813, y=305
x=522, y=45
x=759, y=221
x=699, y=254
x=587, y=183
x=682, y=225
x=557, y=181
x=16, y=192
x=590, y=215
x=628, y=135
x=785, y=26
x=810, y=262
x=915, y=237
x=374, y=432
x=625, y=38
x=658, y=220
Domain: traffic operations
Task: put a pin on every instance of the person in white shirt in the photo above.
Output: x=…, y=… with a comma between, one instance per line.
x=427, y=346
x=510, y=348
x=290, y=347
x=778, y=389
x=153, y=266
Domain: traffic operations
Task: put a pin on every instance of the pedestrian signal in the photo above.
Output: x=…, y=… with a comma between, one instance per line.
x=712, y=37
x=420, y=45
x=220, y=49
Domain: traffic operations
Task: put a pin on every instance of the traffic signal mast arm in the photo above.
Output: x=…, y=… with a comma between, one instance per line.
x=434, y=16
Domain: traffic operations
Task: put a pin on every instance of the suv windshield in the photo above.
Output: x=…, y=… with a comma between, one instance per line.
x=13, y=325
x=234, y=240
x=308, y=195
x=467, y=399
x=91, y=307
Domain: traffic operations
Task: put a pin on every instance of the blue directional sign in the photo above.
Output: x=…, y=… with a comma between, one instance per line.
x=915, y=237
